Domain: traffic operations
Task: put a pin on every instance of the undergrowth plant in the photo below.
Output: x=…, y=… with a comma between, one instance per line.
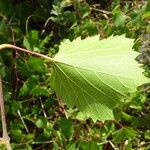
x=52, y=87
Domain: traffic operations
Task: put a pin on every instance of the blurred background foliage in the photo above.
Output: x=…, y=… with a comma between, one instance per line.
x=36, y=118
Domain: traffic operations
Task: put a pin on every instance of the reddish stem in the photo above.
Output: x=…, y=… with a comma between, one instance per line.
x=3, y=46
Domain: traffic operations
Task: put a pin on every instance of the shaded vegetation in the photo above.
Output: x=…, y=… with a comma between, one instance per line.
x=36, y=118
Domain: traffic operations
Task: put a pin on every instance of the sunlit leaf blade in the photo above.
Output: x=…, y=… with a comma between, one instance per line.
x=94, y=75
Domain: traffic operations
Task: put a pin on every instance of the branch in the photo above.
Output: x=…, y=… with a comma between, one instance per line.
x=3, y=46
x=5, y=139
x=102, y=11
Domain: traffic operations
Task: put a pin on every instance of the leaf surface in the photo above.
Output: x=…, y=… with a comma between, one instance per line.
x=123, y=134
x=94, y=75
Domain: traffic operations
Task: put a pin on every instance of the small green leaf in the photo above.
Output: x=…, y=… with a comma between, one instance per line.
x=17, y=135
x=147, y=135
x=148, y=29
x=39, y=91
x=123, y=134
x=66, y=127
x=90, y=27
x=119, y=19
x=28, y=86
x=26, y=43
x=31, y=40
x=24, y=89
x=48, y=130
x=85, y=145
x=41, y=122
x=36, y=65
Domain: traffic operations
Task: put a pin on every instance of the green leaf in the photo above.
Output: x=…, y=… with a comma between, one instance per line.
x=36, y=65
x=48, y=130
x=39, y=91
x=147, y=135
x=84, y=145
x=31, y=40
x=26, y=43
x=123, y=134
x=94, y=75
x=119, y=17
x=41, y=122
x=66, y=127
x=17, y=134
x=90, y=27
x=28, y=86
